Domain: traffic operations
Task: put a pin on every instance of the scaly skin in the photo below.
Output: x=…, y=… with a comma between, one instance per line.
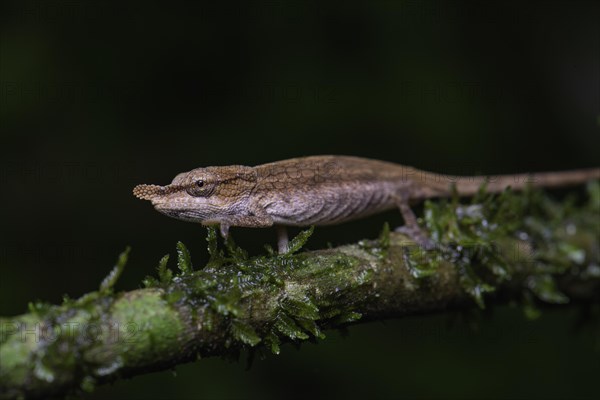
x=320, y=190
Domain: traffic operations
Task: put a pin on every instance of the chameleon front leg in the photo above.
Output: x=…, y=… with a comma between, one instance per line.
x=248, y=221
x=257, y=218
x=257, y=222
x=411, y=228
x=282, y=239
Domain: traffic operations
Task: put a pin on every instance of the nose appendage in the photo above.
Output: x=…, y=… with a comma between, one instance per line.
x=147, y=192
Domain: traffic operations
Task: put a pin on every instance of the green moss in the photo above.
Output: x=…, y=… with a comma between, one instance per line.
x=347, y=317
x=378, y=248
x=109, y=282
x=216, y=255
x=39, y=308
x=135, y=340
x=299, y=241
x=88, y=384
x=232, y=278
x=165, y=275
x=184, y=260
x=300, y=306
x=235, y=253
x=244, y=333
x=16, y=348
x=489, y=239
x=544, y=287
x=286, y=326
x=273, y=343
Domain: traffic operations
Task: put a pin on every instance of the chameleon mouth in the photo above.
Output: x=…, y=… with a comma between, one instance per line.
x=148, y=192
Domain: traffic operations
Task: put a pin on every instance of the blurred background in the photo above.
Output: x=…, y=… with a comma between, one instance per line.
x=97, y=96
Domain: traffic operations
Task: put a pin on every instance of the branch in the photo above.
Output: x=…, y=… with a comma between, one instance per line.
x=525, y=248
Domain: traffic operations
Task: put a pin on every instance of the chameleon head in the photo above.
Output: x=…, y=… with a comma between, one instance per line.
x=206, y=195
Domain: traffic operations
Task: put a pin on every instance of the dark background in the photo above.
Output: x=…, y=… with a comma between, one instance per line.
x=96, y=97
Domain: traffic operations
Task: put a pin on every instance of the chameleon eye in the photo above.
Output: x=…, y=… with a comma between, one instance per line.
x=201, y=187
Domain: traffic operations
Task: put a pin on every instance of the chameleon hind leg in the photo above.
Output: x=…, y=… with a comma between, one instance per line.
x=411, y=228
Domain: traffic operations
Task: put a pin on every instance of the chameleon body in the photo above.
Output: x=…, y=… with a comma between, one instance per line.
x=321, y=190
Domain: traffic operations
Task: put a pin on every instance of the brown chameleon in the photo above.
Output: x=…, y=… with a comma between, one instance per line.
x=322, y=190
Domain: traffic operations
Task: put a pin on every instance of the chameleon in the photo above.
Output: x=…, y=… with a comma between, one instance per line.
x=323, y=190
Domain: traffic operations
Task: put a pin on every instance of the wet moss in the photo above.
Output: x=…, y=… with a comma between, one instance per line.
x=519, y=246
x=496, y=237
x=232, y=280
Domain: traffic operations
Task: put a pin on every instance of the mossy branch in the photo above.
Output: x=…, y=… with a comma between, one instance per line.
x=524, y=248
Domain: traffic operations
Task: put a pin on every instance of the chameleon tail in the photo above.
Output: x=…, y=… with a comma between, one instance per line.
x=435, y=185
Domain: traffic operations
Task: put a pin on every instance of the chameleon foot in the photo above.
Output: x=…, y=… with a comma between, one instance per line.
x=417, y=235
x=411, y=227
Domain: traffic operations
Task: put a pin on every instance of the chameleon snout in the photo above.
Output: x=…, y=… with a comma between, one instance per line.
x=148, y=192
